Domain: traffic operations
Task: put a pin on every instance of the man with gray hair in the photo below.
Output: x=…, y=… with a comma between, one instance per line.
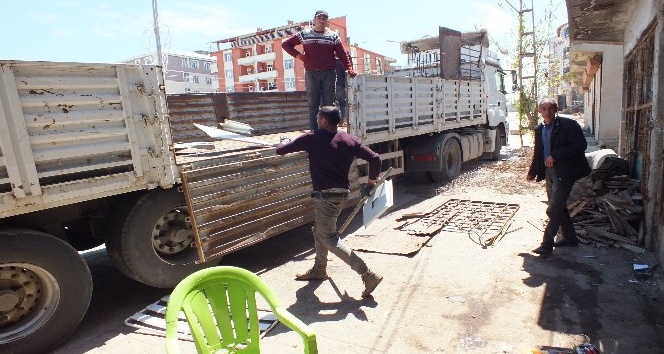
x=559, y=158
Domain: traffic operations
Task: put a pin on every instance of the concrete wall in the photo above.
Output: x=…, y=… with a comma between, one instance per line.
x=653, y=212
x=607, y=97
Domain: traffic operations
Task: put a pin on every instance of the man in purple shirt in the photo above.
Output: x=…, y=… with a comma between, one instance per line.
x=320, y=47
x=331, y=153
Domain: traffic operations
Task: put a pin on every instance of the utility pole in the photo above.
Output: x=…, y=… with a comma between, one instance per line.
x=156, y=30
x=527, y=58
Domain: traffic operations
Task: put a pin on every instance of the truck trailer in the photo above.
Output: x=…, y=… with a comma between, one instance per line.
x=88, y=157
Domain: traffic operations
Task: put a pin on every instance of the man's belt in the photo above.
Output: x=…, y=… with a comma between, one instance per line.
x=325, y=194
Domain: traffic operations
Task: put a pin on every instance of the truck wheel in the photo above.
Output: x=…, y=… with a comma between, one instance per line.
x=45, y=289
x=451, y=162
x=421, y=177
x=495, y=155
x=155, y=243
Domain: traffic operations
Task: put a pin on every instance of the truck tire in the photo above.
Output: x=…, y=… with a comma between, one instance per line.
x=45, y=289
x=495, y=155
x=450, y=167
x=155, y=243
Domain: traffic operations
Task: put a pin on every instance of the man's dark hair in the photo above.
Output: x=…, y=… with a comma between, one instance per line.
x=331, y=113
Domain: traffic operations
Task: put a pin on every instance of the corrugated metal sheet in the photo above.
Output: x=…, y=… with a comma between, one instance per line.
x=240, y=199
x=186, y=109
x=269, y=112
x=265, y=112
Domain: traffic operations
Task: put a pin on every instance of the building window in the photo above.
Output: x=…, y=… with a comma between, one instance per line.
x=208, y=80
x=208, y=66
x=185, y=77
x=194, y=78
x=269, y=67
x=228, y=57
x=272, y=85
x=268, y=48
x=186, y=63
x=229, y=74
x=194, y=63
x=289, y=64
x=290, y=82
x=379, y=66
x=230, y=88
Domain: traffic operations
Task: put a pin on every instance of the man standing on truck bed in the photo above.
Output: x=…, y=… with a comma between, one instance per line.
x=331, y=153
x=559, y=157
x=321, y=46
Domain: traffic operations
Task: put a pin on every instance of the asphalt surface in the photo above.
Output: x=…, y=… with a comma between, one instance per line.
x=452, y=296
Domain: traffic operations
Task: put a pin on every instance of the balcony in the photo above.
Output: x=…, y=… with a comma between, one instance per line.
x=257, y=58
x=258, y=76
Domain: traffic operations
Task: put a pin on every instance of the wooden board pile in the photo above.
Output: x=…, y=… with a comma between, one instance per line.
x=607, y=208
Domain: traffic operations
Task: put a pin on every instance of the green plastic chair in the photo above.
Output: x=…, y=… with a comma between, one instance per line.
x=220, y=306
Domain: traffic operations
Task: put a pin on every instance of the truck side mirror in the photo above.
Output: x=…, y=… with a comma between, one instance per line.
x=515, y=84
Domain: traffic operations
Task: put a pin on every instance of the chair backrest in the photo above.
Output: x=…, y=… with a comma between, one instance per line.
x=220, y=306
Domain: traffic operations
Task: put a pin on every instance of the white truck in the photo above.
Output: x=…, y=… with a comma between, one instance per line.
x=87, y=157
x=450, y=110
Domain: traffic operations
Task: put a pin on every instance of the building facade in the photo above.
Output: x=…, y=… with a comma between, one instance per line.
x=256, y=61
x=619, y=49
x=185, y=72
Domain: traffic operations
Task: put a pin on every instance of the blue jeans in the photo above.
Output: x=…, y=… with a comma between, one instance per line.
x=326, y=238
x=558, y=191
x=320, y=92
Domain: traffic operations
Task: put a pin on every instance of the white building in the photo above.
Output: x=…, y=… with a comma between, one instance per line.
x=185, y=72
x=569, y=98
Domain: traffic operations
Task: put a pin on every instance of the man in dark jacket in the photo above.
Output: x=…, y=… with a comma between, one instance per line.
x=559, y=158
x=331, y=154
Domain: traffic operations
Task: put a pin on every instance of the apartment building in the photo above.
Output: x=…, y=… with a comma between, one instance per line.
x=256, y=61
x=185, y=72
x=560, y=77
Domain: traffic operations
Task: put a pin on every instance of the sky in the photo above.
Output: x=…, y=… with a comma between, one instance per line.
x=107, y=31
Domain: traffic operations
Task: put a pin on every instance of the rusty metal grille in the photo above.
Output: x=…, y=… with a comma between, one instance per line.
x=486, y=219
x=638, y=97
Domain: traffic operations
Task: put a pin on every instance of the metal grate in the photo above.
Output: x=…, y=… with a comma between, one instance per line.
x=486, y=219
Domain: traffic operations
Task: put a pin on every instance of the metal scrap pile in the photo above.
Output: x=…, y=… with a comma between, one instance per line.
x=606, y=207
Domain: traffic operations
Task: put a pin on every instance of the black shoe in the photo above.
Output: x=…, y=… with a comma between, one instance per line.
x=544, y=250
x=566, y=243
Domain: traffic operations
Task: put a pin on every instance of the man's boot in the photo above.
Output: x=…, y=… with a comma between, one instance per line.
x=371, y=281
x=317, y=272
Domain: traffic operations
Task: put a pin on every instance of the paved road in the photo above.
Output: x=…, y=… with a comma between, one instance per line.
x=452, y=296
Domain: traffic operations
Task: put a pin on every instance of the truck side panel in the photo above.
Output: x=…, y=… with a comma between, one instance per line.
x=72, y=132
x=384, y=108
x=239, y=199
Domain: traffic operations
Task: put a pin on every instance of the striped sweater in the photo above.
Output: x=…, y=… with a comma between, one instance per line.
x=320, y=49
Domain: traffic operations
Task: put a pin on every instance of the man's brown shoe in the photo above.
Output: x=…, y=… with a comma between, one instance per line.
x=371, y=281
x=544, y=250
x=315, y=273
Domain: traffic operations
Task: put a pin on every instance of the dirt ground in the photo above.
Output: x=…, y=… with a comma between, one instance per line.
x=452, y=296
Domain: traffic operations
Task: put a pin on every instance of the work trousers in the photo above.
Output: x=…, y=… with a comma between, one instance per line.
x=320, y=92
x=326, y=213
x=558, y=191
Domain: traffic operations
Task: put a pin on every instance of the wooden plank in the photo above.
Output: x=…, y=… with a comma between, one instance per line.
x=610, y=235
